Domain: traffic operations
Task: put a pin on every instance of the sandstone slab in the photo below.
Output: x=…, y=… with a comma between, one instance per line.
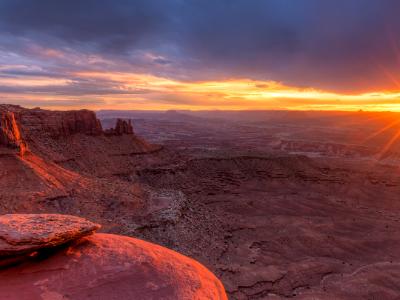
x=24, y=233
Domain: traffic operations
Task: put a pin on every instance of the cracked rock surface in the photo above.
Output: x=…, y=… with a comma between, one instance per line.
x=24, y=233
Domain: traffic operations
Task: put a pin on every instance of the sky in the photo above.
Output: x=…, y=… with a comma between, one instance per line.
x=200, y=54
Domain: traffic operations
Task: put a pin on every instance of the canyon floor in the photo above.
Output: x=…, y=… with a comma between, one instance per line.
x=278, y=205
x=292, y=205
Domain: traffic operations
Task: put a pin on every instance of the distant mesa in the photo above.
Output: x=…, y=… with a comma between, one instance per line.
x=98, y=266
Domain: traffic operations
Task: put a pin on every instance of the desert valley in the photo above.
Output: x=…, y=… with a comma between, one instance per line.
x=277, y=204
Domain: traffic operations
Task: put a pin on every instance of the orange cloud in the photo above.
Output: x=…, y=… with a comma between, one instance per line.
x=245, y=93
x=33, y=82
x=144, y=91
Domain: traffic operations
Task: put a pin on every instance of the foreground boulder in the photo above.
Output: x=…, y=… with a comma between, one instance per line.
x=104, y=266
x=37, y=263
x=25, y=233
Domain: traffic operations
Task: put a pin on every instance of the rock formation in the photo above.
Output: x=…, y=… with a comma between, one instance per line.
x=24, y=233
x=10, y=135
x=121, y=127
x=71, y=166
x=76, y=137
x=103, y=266
x=59, y=124
x=9, y=131
x=54, y=123
x=18, y=125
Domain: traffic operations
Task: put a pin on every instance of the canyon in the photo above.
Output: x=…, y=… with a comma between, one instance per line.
x=276, y=204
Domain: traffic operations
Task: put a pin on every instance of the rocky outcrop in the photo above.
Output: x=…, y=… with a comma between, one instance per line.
x=59, y=124
x=121, y=127
x=83, y=121
x=24, y=233
x=104, y=266
x=10, y=135
x=66, y=135
x=72, y=166
x=9, y=131
x=54, y=123
x=19, y=126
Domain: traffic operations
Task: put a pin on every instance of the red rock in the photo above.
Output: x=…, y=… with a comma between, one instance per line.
x=104, y=266
x=9, y=132
x=25, y=233
x=71, y=167
x=72, y=138
x=124, y=127
x=121, y=127
x=54, y=123
x=10, y=135
x=19, y=125
x=61, y=124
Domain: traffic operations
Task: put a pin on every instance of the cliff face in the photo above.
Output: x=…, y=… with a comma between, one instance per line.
x=17, y=122
x=20, y=127
x=9, y=132
x=62, y=155
x=10, y=135
x=60, y=124
x=57, y=134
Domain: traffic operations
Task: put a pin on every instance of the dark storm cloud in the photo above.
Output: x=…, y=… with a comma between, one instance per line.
x=337, y=44
x=333, y=44
x=114, y=25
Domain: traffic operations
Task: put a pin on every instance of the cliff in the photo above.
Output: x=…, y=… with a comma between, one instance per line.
x=54, y=123
x=10, y=135
x=52, y=133
x=55, y=161
x=19, y=125
x=9, y=132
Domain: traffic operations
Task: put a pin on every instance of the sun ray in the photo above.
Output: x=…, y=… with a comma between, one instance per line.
x=390, y=76
x=388, y=145
x=382, y=130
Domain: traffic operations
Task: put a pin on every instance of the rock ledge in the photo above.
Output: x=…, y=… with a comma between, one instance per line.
x=24, y=233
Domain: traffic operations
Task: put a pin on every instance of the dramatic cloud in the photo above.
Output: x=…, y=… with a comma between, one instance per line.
x=341, y=47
